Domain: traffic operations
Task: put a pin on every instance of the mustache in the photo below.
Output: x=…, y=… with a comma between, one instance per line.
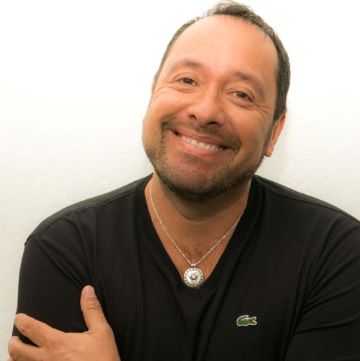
x=221, y=137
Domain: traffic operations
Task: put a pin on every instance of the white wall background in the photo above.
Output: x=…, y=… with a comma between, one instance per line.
x=75, y=77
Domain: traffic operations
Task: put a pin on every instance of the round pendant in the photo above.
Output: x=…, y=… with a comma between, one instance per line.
x=193, y=277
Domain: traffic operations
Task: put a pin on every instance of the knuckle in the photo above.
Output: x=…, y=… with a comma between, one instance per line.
x=13, y=355
x=12, y=346
x=22, y=323
x=54, y=342
x=93, y=305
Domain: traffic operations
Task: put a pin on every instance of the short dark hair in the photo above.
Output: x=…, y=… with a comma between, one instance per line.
x=231, y=8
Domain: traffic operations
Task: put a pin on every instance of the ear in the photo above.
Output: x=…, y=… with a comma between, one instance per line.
x=274, y=135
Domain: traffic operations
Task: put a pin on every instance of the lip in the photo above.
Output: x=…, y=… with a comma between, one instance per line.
x=200, y=141
x=198, y=146
x=201, y=144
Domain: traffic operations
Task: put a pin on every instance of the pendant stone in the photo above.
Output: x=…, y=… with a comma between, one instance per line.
x=193, y=277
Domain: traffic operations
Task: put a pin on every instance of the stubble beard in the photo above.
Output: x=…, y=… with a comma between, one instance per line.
x=205, y=187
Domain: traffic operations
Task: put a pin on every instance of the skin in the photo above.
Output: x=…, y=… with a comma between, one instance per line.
x=220, y=90
x=208, y=125
x=96, y=344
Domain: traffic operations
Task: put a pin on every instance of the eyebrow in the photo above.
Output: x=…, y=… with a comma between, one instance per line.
x=248, y=77
x=251, y=78
x=187, y=62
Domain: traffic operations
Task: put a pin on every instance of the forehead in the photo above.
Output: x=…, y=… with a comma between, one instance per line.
x=223, y=42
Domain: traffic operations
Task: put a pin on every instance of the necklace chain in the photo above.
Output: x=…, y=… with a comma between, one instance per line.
x=217, y=243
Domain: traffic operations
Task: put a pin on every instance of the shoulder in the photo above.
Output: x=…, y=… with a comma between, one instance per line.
x=296, y=203
x=314, y=234
x=89, y=209
x=310, y=222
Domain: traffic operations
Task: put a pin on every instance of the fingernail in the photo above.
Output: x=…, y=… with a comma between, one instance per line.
x=89, y=292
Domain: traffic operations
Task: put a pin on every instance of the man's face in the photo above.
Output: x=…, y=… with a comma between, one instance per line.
x=210, y=118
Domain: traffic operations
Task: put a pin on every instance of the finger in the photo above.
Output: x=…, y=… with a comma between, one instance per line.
x=20, y=351
x=37, y=331
x=91, y=308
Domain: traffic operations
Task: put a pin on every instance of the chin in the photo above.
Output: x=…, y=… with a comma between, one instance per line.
x=197, y=188
x=194, y=184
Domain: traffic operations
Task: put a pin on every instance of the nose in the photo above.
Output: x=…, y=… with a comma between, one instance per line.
x=206, y=108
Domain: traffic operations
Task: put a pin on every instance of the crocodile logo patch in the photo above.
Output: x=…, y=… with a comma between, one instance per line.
x=246, y=320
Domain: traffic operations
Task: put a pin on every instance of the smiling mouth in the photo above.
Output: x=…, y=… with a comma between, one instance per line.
x=200, y=145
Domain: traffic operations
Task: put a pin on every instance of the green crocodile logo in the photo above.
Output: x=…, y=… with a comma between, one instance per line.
x=246, y=320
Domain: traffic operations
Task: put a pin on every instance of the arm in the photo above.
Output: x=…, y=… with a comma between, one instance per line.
x=96, y=344
x=328, y=328
x=57, y=263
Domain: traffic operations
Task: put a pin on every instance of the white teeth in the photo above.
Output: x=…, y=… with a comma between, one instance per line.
x=201, y=145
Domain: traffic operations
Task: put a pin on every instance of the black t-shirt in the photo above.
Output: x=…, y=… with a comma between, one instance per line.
x=287, y=286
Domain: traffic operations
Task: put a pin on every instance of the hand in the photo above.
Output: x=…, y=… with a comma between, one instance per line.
x=96, y=344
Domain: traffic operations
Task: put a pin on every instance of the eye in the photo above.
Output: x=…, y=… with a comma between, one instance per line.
x=187, y=80
x=242, y=95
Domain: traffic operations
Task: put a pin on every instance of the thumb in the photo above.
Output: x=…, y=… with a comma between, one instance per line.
x=91, y=309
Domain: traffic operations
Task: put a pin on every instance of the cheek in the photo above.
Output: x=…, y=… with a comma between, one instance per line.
x=251, y=131
x=167, y=102
x=161, y=107
x=150, y=131
x=152, y=120
x=253, y=136
x=149, y=128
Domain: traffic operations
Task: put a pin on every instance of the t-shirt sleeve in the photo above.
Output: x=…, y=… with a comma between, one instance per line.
x=54, y=269
x=329, y=325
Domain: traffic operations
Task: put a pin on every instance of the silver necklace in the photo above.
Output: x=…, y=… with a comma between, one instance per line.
x=193, y=276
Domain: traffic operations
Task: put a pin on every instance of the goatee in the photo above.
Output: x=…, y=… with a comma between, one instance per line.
x=195, y=186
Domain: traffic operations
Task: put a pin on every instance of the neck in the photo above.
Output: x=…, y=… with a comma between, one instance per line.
x=195, y=225
x=235, y=199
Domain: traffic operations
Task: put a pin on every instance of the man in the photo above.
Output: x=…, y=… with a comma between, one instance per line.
x=202, y=260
